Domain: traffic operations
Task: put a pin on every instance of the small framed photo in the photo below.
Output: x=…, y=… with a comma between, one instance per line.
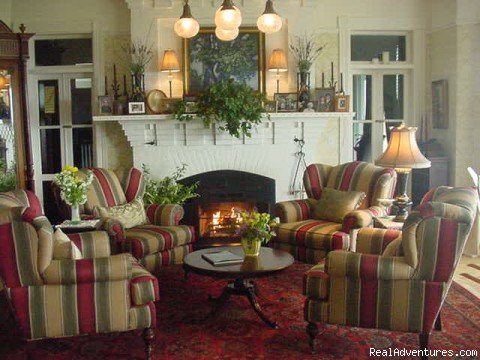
x=136, y=107
x=270, y=106
x=286, y=102
x=105, y=105
x=310, y=107
x=171, y=105
x=325, y=99
x=342, y=103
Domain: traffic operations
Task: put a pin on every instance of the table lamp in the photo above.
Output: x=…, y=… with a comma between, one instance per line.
x=170, y=65
x=403, y=155
x=277, y=62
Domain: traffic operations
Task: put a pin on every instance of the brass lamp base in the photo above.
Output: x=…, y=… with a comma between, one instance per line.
x=402, y=204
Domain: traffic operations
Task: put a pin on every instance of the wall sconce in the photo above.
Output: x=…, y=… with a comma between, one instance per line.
x=170, y=65
x=278, y=63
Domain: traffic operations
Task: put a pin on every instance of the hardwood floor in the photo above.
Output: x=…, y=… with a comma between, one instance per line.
x=468, y=274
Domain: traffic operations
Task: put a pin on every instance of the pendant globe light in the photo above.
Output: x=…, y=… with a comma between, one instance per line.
x=228, y=16
x=186, y=26
x=269, y=22
x=226, y=35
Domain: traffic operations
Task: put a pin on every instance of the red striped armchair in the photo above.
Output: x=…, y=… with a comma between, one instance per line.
x=396, y=280
x=57, y=297
x=159, y=242
x=309, y=239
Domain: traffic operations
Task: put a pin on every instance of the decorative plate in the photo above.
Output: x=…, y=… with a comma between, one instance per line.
x=155, y=101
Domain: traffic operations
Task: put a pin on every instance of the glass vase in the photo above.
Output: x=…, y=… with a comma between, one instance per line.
x=75, y=213
x=251, y=246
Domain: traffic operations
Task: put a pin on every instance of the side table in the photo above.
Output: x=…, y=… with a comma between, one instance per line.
x=69, y=227
x=386, y=222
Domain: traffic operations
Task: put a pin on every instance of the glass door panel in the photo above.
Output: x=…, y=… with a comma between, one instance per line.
x=48, y=105
x=393, y=96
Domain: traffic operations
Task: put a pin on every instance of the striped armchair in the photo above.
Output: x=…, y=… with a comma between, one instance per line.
x=309, y=239
x=397, y=280
x=57, y=297
x=160, y=242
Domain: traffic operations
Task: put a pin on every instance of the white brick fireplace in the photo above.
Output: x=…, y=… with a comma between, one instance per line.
x=163, y=143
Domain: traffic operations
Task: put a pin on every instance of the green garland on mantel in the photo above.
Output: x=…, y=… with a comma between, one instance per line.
x=235, y=106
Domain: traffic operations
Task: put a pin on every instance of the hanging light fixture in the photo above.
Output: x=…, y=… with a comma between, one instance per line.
x=269, y=22
x=228, y=16
x=226, y=35
x=187, y=26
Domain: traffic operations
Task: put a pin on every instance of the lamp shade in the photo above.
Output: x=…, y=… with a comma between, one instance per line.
x=3, y=81
x=226, y=35
x=170, y=62
x=403, y=151
x=277, y=61
x=186, y=26
x=228, y=16
x=269, y=22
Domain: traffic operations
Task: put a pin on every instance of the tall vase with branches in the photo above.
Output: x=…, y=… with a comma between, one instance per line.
x=306, y=51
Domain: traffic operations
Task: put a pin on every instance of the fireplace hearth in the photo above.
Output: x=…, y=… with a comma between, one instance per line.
x=223, y=194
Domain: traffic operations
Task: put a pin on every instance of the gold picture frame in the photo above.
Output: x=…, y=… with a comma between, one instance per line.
x=250, y=39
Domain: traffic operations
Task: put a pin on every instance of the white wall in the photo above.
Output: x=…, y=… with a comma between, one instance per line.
x=6, y=12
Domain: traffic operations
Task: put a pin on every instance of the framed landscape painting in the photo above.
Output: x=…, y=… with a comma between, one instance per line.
x=208, y=59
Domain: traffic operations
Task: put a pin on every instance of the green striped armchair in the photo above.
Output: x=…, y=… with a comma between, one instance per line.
x=51, y=296
x=309, y=239
x=159, y=242
x=397, y=280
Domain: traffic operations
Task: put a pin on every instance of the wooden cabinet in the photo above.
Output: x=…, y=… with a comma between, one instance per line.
x=426, y=179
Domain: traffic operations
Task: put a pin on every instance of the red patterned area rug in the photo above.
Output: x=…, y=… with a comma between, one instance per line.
x=237, y=333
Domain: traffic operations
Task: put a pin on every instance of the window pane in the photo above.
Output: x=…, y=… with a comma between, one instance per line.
x=393, y=96
x=81, y=94
x=48, y=102
x=63, y=52
x=362, y=97
x=82, y=147
x=367, y=47
x=362, y=139
x=51, y=155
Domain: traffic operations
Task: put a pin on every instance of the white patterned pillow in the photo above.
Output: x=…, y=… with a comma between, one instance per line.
x=129, y=215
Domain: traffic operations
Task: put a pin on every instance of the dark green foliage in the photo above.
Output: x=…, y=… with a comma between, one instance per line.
x=234, y=106
x=8, y=177
x=168, y=190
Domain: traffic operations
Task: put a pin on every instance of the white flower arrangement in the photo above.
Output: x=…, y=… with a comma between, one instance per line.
x=73, y=188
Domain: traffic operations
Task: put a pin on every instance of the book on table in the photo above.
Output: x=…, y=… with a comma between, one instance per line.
x=222, y=258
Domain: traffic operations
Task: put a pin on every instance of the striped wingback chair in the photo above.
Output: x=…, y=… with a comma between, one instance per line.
x=397, y=280
x=57, y=297
x=309, y=239
x=162, y=241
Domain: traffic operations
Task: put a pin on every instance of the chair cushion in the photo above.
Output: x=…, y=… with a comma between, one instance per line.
x=144, y=286
x=129, y=215
x=150, y=239
x=335, y=204
x=315, y=234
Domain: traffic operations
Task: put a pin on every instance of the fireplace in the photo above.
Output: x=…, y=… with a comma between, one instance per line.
x=223, y=194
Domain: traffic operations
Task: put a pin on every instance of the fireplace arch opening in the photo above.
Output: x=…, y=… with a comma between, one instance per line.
x=222, y=194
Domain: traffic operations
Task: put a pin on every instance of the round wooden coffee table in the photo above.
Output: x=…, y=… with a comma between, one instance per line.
x=268, y=262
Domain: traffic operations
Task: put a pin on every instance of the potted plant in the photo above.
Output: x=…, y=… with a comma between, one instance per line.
x=73, y=188
x=255, y=229
x=235, y=106
x=168, y=190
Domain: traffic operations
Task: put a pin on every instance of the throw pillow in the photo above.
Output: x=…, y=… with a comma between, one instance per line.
x=129, y=215
x=394, y=248
x=335, y=204
x=64, y=248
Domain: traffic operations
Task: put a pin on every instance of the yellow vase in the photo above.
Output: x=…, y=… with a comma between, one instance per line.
x=251, y=247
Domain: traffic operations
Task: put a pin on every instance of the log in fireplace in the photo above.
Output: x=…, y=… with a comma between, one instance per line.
x=222, y=194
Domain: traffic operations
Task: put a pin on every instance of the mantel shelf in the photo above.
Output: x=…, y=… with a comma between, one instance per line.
x=289, y=115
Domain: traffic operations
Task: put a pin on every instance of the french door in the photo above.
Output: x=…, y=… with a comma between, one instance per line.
x=380, y=100
x=61, y=128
